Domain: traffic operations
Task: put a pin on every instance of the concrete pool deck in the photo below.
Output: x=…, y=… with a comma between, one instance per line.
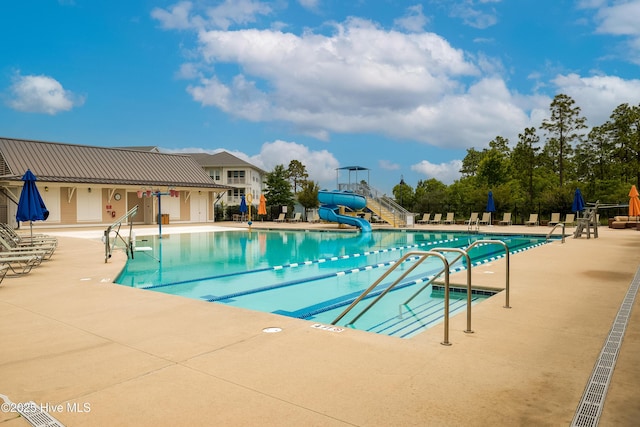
x=98, y=354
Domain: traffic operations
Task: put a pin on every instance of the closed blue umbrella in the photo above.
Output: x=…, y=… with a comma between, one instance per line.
x=578, y=201
x=243, y=206
x=491, y=206
x=30, y=206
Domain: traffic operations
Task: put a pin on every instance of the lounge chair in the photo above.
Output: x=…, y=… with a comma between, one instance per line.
x=449, y=219
x=506, y=219
x=473, y=218
x=20, y=264
x=11, y=234
x=297, y=217
x=281, y=218
x=46, y=250
x=486, y=218
x=555, y=218
x=533, y=220
x=570, y=219
x=437, y=219
x=3, y=271
x=425, y=219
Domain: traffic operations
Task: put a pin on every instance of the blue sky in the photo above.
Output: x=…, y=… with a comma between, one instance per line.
x=400, y=87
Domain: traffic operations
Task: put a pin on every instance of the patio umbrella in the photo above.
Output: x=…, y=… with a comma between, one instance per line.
x=578, y=202
x=30, y=206
x=243, y=206
x=491, y=206
x=262, y=207
x=634, y=202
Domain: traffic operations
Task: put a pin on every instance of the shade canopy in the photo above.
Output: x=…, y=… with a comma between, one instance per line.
x=262, y=207
x=634, y=202
x=30, y=206
x=578, y=202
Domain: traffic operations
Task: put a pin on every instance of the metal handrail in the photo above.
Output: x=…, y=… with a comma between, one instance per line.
x=470, y=226
x=108, y=247
x=553, y=229
x=385, y=202
x=507, y=263
x=463, y=253
x=422, y=255
x=466, y=251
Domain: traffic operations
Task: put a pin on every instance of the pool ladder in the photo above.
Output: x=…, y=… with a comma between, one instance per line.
x=421, y=257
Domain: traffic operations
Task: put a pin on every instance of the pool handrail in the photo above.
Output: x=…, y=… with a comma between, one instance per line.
x=108, y=247
x=553, y=229
x=422, y=255
x=463, y=253
x=445, y=270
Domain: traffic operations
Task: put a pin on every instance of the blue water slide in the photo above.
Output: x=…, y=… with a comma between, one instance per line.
x=330, y=208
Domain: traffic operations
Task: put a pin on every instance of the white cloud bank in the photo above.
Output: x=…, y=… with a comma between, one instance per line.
x=444, y=172
x=41, y=94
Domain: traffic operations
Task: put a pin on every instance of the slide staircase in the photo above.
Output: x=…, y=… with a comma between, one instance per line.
x=383, y=206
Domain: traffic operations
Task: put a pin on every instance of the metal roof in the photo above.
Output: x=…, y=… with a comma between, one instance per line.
x=222, y=159
x=59, y=162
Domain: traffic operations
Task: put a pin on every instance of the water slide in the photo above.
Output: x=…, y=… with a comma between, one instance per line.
x=330, y=208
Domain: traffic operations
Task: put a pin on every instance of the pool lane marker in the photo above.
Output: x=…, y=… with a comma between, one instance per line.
x=461, y=267
x=298, y=264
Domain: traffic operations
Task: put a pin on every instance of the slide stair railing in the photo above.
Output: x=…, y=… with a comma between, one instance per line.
x=385, y=207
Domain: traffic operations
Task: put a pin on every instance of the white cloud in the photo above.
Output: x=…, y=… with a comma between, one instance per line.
x=359, y=79
x=413, y=21
x=620, y=18
x=598, y=96
x=444, y=172
x=473, y=15
x=41, y=94
x=185, y=15
x=321, y=165
x=177, y=18
x=309, y=4
x=387, y=165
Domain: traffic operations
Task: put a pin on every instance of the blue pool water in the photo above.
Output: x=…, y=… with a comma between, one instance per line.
x=310, y=275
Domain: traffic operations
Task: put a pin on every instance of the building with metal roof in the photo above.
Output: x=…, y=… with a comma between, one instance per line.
x=88, y=185
x=226, y=169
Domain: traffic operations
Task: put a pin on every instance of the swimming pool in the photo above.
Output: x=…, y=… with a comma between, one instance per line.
x=311, y=275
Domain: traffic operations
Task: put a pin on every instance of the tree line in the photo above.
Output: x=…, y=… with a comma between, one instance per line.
x=541, y=172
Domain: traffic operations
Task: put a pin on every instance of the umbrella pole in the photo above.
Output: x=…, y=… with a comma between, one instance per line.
x=31, y=228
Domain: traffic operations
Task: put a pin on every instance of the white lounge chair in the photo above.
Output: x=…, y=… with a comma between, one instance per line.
x=281, y=218
x=437, y=219
x=450, y=218
x=46, y=250
x=570, y=219
x=20, y=264
x=555, y=218
x=297, y=217
x=486, y=218
x=425, y=219
x=533, y=220
x=473, y=218
x=506, y=219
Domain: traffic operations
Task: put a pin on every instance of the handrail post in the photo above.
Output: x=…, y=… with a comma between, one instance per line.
x=466, y=255
x=506, y=250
